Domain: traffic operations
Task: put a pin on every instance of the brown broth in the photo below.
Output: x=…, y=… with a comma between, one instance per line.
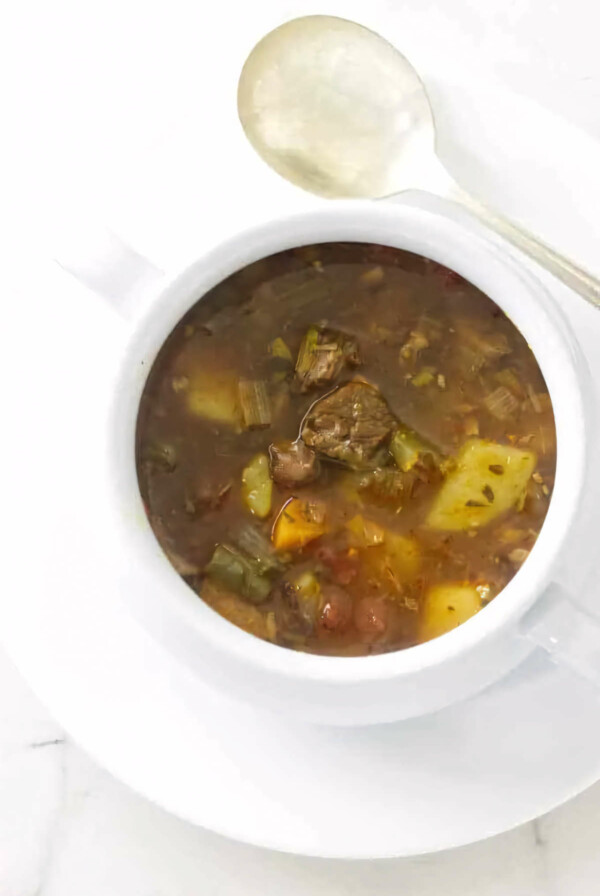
x=443, y=386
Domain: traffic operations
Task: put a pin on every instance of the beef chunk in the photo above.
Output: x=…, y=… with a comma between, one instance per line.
x=293, y=463
x=352, y=425
x=322, y=356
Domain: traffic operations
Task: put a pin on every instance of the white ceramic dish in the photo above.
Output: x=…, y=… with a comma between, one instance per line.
x=404, y=683
x=472, y=770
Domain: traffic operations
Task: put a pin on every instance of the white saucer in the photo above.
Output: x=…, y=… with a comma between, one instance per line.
x=473, y=770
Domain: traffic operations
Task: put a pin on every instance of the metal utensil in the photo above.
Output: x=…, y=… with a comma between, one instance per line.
x=336, y=109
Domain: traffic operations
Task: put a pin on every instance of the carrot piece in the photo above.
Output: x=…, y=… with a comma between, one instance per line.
x=299, y=521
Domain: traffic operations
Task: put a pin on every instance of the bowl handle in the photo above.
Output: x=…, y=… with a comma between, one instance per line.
x=104, y=263
x=569, y=633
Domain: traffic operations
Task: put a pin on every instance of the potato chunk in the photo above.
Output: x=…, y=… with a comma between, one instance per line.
x=396, y=561
x=257, y=487
x=214, y=396
x=488, y=479
x=447, y=606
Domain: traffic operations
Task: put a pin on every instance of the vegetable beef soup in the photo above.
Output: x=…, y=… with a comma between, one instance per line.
x=346, y=449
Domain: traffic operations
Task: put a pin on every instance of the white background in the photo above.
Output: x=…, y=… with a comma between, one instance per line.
x=87, y=90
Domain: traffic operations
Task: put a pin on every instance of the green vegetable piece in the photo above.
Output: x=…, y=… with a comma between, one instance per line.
x=323, y=353
x=232, y=569
x=507, y=377
x=307, y=353
x=501, y=403
x=409, y=448
x=257, y=487
x=282, y=360
x=463, y=501
x=254, y=400
x=278, y=349
x=424, y=377
x=254, y=543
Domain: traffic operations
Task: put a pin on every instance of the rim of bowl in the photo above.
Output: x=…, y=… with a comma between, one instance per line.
x=484, y=263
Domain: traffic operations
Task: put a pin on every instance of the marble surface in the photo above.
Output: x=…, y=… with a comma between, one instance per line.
x=66, y=826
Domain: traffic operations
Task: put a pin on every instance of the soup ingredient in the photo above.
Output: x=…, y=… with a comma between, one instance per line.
x=447, y=606
x=255, y=404
x=308, y=597
x=279, y=349
x=322, y=355
x=373, y=277
x=298, y=605
x=501, y=403
x=412, y=348
x=409, y=449
x=256, y=545
x=293, y=463
x=487, y=480
x=371, y=616
x=479, y=348
x=161, y=456
x=257, y=487
x=396, y=561
x=239, y=573
x=214, y=396
x=282, y=360
x=341, y=565
x=336, y=610
x=350, y=425
x=518, y=556
x=298, y=523
x=424, y=377
x=384, y=487
x=365, y=533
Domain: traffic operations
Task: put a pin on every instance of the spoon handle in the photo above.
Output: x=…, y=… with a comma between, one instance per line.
x=569, y=273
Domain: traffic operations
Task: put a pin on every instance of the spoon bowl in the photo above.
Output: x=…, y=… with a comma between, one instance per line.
x=337, y=110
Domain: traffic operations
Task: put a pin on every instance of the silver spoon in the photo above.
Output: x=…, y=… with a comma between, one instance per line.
x=337, y=110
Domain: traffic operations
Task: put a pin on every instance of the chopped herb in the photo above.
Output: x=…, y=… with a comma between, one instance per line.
x=488, y=493
x=496, y=469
